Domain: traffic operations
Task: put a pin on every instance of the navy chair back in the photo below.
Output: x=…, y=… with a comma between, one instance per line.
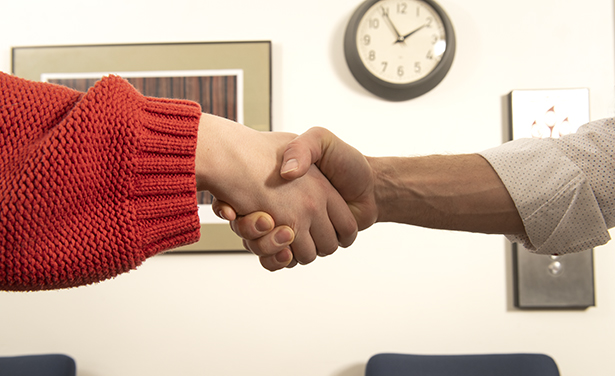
x=38, y=365
x=461, y=365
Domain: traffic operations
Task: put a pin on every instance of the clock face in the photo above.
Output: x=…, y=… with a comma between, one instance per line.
x=401, y=41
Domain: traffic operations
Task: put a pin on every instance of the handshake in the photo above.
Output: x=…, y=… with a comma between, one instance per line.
x=294, y=198
x=325, y=219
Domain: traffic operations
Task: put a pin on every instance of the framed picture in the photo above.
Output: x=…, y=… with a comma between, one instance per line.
x=231, y=80
x=543, y=281
x=548, y=113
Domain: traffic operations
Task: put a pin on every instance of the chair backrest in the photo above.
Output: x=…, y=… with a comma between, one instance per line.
x=38, y=365
x=461, y=365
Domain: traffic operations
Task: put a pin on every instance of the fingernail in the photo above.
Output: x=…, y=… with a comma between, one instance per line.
x=221, y=215
x=263, y=224
x=290, y=165
x=283, y=236
x=284, y=256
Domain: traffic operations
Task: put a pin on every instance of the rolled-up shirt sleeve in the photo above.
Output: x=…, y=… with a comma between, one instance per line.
x=564, y=189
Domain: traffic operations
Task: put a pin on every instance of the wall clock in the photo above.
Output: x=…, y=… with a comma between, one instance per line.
x=399, y=49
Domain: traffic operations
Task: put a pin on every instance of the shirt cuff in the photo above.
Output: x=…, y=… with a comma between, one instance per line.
x=553, y=197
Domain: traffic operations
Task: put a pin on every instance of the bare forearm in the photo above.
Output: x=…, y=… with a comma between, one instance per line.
x=454, y=192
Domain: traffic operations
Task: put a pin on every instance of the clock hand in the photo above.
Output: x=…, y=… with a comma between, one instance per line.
x=385, y=15
x=403, y=37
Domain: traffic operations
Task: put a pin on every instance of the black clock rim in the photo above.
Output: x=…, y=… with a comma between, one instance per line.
x=387, y=90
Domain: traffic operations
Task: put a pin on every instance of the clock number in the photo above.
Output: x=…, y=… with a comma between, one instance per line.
x=401, y=8
x=428, y=22
x=374, y=23
x=367, y=39
x=384, y=66
x=372, y=55
x=430, y=55
x=417, y=67
x=400, y=71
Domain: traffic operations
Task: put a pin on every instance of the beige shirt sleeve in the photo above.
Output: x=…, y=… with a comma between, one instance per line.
x=563, y=188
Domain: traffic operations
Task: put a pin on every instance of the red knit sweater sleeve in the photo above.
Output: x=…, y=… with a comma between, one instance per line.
x=91, y=184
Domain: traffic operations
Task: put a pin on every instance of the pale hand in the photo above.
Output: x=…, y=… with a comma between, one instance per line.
x=240, y=166
x=346, y=168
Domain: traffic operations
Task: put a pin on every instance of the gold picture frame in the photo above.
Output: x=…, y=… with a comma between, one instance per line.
x=240, y=72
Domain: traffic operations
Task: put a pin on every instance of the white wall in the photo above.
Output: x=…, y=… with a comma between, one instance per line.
x=399, y=288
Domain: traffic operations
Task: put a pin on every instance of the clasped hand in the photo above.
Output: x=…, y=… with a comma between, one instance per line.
x=298, y=174
x=240, y=166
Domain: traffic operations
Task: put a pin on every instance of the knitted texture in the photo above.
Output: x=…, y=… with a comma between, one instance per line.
x=91, y=184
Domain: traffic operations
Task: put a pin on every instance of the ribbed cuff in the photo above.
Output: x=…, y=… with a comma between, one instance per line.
x=164, y=180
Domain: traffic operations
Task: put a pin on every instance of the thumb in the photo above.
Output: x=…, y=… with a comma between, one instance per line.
x=303, y=151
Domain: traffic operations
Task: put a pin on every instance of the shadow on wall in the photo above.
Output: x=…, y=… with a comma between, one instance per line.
x=354, y=370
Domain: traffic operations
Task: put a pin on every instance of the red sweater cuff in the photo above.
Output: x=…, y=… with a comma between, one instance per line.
x=164, y=179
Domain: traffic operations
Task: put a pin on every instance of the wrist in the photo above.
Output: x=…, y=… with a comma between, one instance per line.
x=213, y=145
x=237, y=164
x=389, y=188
